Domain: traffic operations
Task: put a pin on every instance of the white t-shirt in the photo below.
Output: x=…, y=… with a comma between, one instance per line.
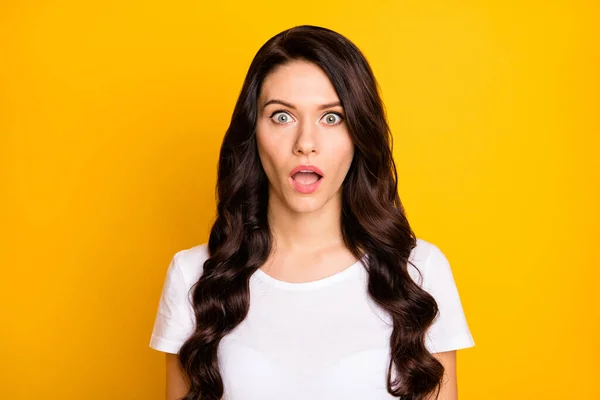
x=324, y=339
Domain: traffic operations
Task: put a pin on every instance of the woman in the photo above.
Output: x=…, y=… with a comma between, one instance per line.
x=312, y=284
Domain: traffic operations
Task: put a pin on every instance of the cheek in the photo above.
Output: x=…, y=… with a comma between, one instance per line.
x=343, y=149
x=347, y=148
x=347, y=161
x=269, y=152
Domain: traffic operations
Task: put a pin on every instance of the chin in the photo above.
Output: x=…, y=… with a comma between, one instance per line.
x=305, y=205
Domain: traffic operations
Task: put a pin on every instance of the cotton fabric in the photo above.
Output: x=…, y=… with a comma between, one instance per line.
x=324, y=339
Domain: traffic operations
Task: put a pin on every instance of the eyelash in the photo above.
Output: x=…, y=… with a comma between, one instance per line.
x=331, y=112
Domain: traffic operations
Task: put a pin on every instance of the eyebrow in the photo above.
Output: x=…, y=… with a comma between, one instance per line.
x=285, y=103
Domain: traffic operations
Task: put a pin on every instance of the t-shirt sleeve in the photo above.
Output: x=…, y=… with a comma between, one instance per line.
x=174, y=321
x=449, y=330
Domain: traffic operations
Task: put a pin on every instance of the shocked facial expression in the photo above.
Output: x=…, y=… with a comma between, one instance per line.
x=303, y=140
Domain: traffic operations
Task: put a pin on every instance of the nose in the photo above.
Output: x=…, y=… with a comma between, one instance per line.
x=306, y=142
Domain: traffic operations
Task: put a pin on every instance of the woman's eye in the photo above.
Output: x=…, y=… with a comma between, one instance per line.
x=332, y=119
x=281, y=117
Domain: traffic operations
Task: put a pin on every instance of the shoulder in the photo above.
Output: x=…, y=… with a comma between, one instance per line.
x=449, y=330
x=424, y=260
x=174, y=320
x=190, y=261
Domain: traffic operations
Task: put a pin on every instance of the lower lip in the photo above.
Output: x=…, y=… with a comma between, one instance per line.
x=305, y=189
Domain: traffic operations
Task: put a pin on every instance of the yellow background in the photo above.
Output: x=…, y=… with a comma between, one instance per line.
x=111, y=118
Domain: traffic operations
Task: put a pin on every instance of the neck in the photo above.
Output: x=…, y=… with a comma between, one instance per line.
x=305, y=232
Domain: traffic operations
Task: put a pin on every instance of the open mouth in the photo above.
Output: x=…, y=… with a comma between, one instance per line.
x=306, y=182
x=306, y=178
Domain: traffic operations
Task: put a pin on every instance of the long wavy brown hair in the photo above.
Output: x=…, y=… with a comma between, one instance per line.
x=373, y=220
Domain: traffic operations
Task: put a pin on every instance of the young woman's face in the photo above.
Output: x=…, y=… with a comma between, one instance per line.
x=300, y=122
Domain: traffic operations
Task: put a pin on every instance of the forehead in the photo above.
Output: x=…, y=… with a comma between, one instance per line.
x=298, y=82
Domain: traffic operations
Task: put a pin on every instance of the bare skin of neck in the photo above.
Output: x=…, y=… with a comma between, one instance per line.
x=306, y=246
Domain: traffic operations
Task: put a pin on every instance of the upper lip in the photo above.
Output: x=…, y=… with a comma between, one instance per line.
x=310, y=168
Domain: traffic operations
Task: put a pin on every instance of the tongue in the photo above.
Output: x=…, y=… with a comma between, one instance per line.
x=306, y=178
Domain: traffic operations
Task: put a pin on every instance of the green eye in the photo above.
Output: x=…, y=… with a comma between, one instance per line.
x=281, y=117
x=332, y=118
